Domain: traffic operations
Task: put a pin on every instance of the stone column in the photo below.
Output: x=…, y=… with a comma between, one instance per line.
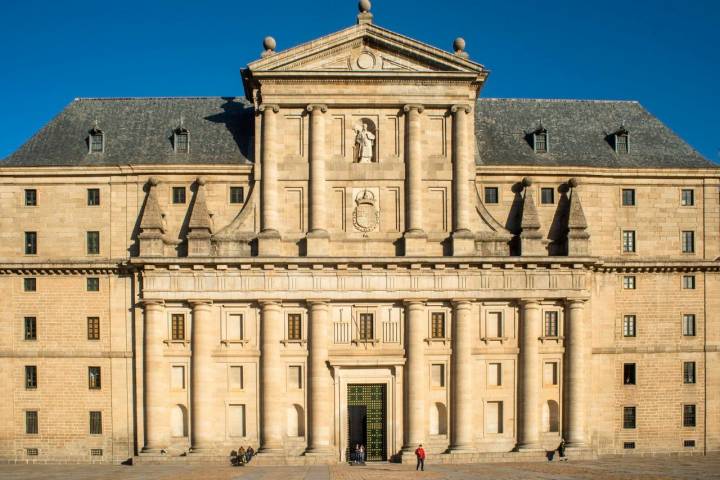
x=321, y=382
x=272, y=416
x=462, y=378
x=529, y=421
x=317, y=238
x=203, y=403
x=269, y=237
x=415, y=374
x=463, y=240
x=415, y=236
x=576, y=363
x=156, y=385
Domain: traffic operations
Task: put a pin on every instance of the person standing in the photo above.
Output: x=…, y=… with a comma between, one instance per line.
x=361, y=454
x=420, y=454
x=561, y=450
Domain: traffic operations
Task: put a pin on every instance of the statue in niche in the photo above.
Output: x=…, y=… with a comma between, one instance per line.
x=365, y=142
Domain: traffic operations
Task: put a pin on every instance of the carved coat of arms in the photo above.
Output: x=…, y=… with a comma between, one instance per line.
x=366, y=215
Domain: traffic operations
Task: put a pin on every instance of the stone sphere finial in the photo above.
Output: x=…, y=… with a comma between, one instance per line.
x=527, y=182
x=573, y=183
x=201, y=180
x=154, y=181
x=459, y=45
x=269, y=44
x=364, y=6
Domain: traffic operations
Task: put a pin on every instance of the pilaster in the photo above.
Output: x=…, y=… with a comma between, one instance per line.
x=321, y=382
x=202, y=379
x=529, y=396
x=415, y=237
x=463, y=240
x=462, y=381
x=317, y=238
x=156, y=381
x=271, y=393
x=415, y=374
x=269, y=237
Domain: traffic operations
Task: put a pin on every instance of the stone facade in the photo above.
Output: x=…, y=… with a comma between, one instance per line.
x=366, y=248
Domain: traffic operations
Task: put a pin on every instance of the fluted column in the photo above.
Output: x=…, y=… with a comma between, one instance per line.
x=156, y=385
x=271, y=428
x=414, y=233
x=321, y=384
x=203, y=406
x=531, y=329
x=415, y=373
x=576, y=364
x=462, y=378
x=270, y=208
x=463, y=161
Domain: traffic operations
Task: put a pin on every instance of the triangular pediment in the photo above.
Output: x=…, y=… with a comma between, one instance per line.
x=365, y=49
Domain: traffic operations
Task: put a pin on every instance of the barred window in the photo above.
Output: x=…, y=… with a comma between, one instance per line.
x=32, y=452
x=687, y=198
x=541, y=142
x=628, y=445
x=688, y=242
x=551, y=324
x=97, y=142
x=30, y=284
x=367, y=326
x=182, y=142
x=629, y=282
x=629, y=417
x=628, y=197
x=30, y=197
x=689, y=282
x=688, y=325
x=31, y=422
x=547, y=196
x=95, y=423
x=491, y=195
x=628, y=241
x=93, y=197
x=31, y=377
x=438, y=325
x=30, y=328
x=93, y=328
x=178, y=195
x=94, y=380
x=294, y=326
x=96, y=452
x=688, y=372
x=237, y=194
x=689, y=443
x=629, y=370
x=629, y=327
x=93, y=243
x=30, y=243
x=93, y=284
x=622, y=143
x=689, y=415
x=178, y=326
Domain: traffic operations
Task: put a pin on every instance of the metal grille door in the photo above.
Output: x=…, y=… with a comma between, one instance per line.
x=368, y=421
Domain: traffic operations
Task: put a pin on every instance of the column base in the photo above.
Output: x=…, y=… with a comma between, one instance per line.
x=269, y=243
x=462, y=449
x=414, y=242
x=317, y=243
x=530, y=447
x=463, y=243
x=153, y=451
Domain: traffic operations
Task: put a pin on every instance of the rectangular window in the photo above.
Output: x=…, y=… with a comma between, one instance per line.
x=93, y=243
x=32, y=452
x=237, y=195
x=688, y=325
x=495, y=327
x=547, y=196
x=236, y=420
x=494, y=417
x=367, y=326
x=31, y=422
x=629, y=414
x=687, y=198
x=551, y=324
x=628, y=241
x=689, y=282
x=93, y=197
x=31, y=197
x=93, y=328
x=495, y=374
x=182, y=142
x=689, y=415
x=438, y=325
x=96, y=452
x=688, y=242
x=437, y=376
x=295, y=377
x=93, y=284
x=96, y=143
x=629, y=445
x=688, y=372
x=622, y=145
x=177, y=326
x=31, y=377
x=178, y=195
x=30, y=243
x=629, y=374
x=236, y=377
x=629, y=327
x=30, y=328
x=629, y=282
x=491, y=195
x=550, y=373
x=94, y=380
x=294, y=326
x=95, y=423
x=689, y=443
x=177, y=377
x=628, y=197
x=235, y=330
x=30, y=284
x=541, y=144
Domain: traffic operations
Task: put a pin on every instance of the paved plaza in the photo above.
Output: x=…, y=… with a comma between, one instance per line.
x=608, y=468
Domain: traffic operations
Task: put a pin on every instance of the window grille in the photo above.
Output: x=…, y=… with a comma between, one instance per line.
x=629, y=417
x=93, y=328
x=491, y=195
x=689, y=372
x=93, y=243
x=182, y=142
x=30, y=243
x=30, y=328
x=688, y=242
x=178, y=326
x=629, y=241
x=97, y=142
x=31, y=422
x=95, y=423
x=93, y=197
x=551, y=324
x=294, y=326
x=31, y=377
x=366, y=326
x=629, y=327
x=689, y=415
x=438, y=325
x=541, y=141
x=622, y=143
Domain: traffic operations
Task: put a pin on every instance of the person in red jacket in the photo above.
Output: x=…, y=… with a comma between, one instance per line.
x=420, y=454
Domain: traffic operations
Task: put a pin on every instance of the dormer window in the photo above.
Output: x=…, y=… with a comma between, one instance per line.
x=96, y=142
x=540, y=140
x=181, y=140
x=622, y=141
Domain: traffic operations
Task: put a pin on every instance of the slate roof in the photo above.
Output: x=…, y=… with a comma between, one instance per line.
x=580, y=134
x=140, y=131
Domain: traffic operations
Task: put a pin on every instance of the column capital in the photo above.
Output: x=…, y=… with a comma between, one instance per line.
x=269, y=106
x=575, y=302
x=317, y=108
x=461, y=107
x=151, y=302
x=413, y=106
x=415, y=302
x=265, y=303
x=530, y=302
x=197, y=303
x=462, y=303
x=318, y=302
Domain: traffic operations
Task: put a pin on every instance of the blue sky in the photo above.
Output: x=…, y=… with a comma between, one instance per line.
x=664, y=54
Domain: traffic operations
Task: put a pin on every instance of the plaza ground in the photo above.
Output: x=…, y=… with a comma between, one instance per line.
x=607, y=468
